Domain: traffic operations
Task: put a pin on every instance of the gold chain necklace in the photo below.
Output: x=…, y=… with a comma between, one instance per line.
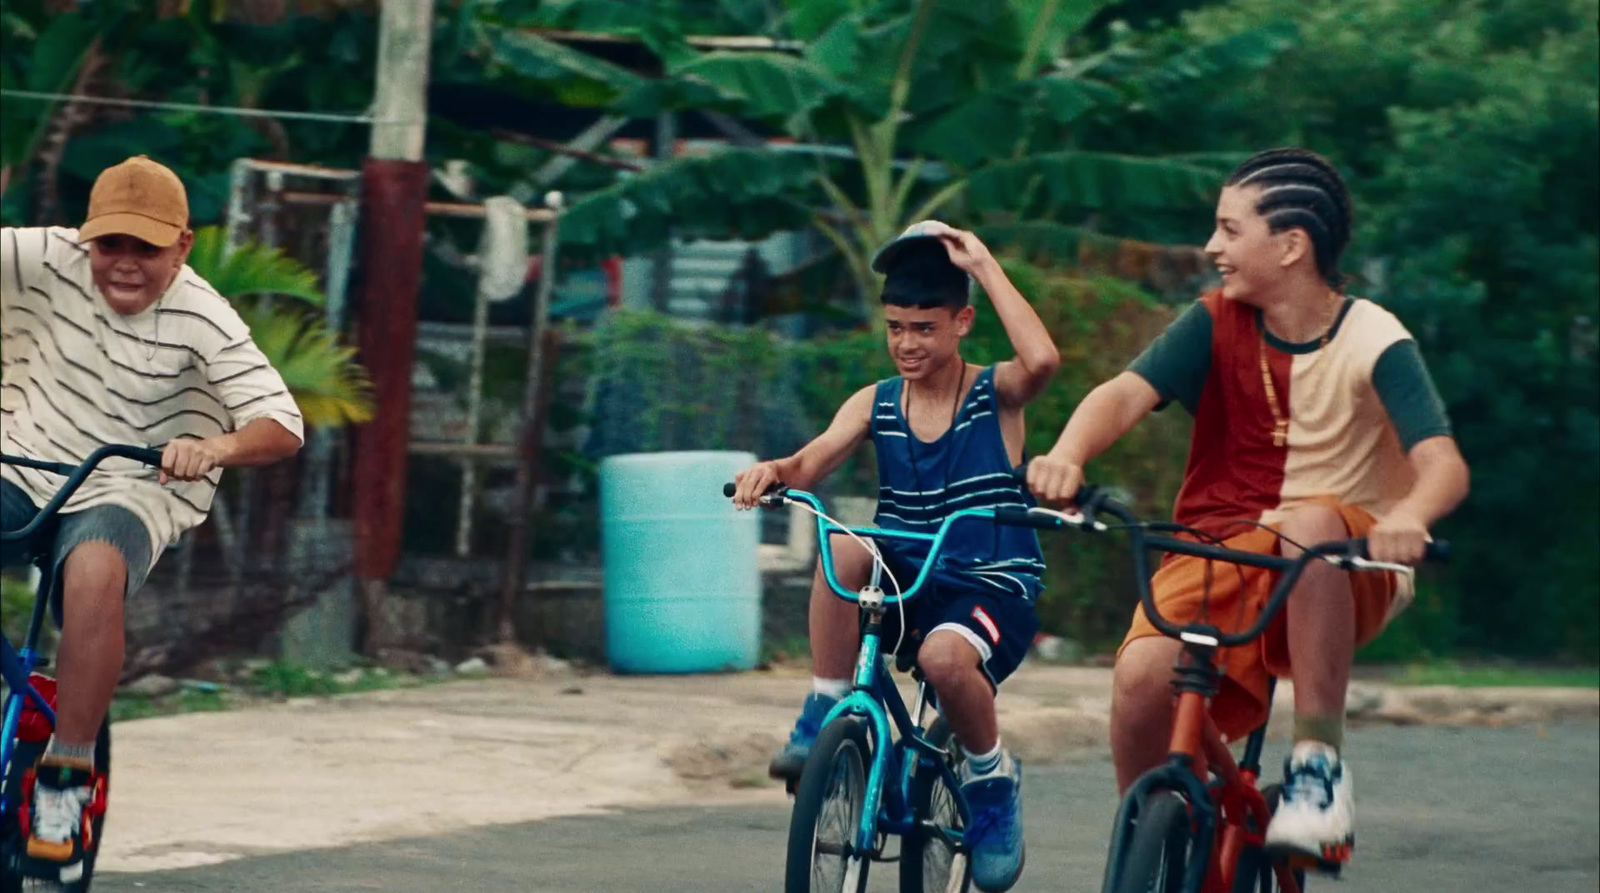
x=1280, y=423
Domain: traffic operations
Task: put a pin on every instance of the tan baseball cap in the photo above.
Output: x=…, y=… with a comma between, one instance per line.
x=139, y=198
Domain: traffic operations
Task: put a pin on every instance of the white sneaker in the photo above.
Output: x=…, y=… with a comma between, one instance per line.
x=1316, y=816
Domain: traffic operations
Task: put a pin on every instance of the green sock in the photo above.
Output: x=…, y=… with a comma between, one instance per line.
x=1327, y=729
x=80, y=752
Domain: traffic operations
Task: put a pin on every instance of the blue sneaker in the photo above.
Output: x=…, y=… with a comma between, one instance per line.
x=995, y=835
x=790, y=760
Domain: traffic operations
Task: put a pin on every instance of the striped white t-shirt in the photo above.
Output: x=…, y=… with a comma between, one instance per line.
x=77, y=375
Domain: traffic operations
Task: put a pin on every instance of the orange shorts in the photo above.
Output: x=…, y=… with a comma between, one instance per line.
x=1238, y=595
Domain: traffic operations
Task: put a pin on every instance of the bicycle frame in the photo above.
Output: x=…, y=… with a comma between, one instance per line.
x=1220, y=808
x=16, y=666
x=874, y=695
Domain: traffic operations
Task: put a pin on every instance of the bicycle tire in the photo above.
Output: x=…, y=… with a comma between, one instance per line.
x=841, y=746
x=1157, y=854
x=925, y=785
x=12, y=844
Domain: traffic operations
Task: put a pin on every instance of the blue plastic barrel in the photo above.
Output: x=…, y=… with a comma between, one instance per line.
x=682, y=584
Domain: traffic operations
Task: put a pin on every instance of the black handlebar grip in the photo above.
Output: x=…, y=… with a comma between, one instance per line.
x=775, y=489
x=147, y=456
x=1014, y=517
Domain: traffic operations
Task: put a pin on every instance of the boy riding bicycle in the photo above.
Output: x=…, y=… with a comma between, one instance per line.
x=1316, y=419
x=110, y=338
x=947, y=435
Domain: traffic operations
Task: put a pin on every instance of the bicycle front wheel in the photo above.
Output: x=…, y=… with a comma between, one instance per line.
x=1158, y=851
x=828, y=806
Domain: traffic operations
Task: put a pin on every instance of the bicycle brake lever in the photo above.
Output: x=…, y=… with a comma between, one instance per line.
x=1355, y=559
x=1357, y=563
x=1088, y=500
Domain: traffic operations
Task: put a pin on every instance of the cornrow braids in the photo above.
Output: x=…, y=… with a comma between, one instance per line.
x=1301, y=188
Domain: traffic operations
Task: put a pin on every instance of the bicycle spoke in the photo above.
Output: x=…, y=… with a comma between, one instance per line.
x=832, y=858
x=958, y=871
x=939, y=868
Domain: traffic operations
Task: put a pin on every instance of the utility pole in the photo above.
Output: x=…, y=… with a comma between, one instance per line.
x=394, y=190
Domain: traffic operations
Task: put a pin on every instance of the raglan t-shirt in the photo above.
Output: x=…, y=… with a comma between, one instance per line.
x=1354, y=408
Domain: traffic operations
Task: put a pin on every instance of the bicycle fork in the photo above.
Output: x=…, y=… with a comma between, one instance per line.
x=869, y=675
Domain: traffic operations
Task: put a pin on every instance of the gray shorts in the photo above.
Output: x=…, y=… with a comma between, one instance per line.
x=110, y=524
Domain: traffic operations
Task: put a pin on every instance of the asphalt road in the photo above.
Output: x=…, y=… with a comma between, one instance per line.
x=1440, y=811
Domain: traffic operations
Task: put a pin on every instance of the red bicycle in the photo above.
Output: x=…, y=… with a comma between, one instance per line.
x=1196, y=823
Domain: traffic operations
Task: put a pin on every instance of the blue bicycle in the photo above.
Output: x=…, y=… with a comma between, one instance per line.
x=863, y=783
x=29, y=713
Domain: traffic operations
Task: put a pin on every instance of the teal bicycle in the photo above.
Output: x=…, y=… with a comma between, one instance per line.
x=867, y=780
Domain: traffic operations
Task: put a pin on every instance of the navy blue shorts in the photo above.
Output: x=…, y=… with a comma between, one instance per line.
x=999, y=625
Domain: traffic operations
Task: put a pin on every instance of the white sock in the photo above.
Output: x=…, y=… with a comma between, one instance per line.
x=984, y=763
x=833, y=688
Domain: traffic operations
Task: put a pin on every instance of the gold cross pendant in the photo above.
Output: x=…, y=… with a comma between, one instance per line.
x=1280, y=433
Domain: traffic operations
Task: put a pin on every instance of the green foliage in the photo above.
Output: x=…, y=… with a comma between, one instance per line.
x=735, y=193
x=277, y=680
x=663, y=384
x=968, y=111
x=1468, y=131
x=1100, y=324
x=59, y=48
x=321, y=372
x=1469, y=675
x=16, y=599
x=189, y=53
x=1430, y=629
x=251, y=270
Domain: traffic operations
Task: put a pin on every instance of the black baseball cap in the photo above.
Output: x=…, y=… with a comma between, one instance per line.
x=918, y=272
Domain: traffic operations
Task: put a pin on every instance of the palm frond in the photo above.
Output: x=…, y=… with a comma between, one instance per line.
x=331, y=388
x=250, y=269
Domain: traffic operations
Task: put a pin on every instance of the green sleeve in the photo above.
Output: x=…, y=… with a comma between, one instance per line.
x=1413, y=403
x=1177, y=362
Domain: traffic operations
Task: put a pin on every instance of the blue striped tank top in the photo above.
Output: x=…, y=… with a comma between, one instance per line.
x=921, y=483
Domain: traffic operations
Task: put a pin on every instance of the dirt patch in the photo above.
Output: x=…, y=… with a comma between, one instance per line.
x=737, y=761
x=1055, y=735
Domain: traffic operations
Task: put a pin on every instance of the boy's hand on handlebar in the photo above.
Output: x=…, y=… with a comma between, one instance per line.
x=1054, y=481
x=751, y=483
x=1399, y=539
x=190, y=459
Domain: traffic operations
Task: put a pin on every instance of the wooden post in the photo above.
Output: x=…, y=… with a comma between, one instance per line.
x=528, y=435
x=394, y=189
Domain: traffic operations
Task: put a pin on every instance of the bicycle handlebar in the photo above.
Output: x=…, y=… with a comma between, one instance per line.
x=778, y=494
x=76, y=475
x=1348, y=555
